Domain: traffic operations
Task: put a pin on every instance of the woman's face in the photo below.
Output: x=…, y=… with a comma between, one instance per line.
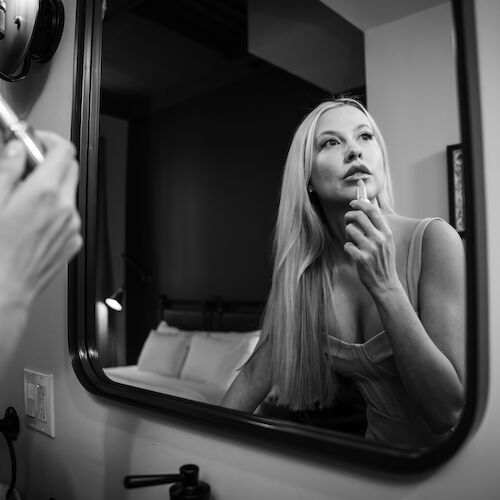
x=345, y=150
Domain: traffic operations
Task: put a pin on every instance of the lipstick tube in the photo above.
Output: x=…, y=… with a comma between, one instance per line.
x=361, y=191
x=11, y=127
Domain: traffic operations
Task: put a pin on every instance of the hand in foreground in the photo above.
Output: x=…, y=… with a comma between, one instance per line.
x=39, y=223
x=371, y=246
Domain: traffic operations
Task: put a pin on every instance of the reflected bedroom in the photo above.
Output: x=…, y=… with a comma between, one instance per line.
x=198, y=108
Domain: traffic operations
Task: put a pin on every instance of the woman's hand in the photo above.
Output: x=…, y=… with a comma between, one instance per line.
x=371, y=247
x=39, y=223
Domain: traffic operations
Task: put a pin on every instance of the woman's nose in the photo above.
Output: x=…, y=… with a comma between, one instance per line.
x=353, y=153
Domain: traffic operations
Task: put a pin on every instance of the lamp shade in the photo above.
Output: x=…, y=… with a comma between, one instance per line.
x=115, y=302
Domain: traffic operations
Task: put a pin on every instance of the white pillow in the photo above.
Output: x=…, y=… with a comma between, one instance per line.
x=215, y=360
x=231, y=365
x=163, y=354
x=164, y=327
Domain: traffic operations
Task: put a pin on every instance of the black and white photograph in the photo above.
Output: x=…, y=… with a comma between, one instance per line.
x=247, y=249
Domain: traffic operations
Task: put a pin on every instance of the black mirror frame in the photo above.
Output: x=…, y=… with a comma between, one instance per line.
x=341, y=448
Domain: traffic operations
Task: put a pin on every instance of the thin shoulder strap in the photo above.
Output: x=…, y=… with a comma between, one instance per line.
x=414, y=263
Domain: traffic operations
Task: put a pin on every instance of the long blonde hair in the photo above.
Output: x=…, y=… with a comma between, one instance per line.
x=303, y=276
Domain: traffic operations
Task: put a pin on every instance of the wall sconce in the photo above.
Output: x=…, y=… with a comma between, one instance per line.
x=115, y=302
x=29, y=29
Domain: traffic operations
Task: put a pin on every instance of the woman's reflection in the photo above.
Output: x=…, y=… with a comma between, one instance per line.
x=382, y=295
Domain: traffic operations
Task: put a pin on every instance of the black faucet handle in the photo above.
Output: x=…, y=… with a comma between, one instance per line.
x=139, y=481
x=190, y=487
x=189, y=474
x=187, y=484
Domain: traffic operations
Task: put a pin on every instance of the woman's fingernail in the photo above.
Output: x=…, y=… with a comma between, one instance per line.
x=14, y=148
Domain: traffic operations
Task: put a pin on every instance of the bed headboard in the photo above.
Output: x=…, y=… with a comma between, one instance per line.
x=212, y=314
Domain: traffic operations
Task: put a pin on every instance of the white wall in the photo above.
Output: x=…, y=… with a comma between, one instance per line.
x=411, y=80
x=98, y=442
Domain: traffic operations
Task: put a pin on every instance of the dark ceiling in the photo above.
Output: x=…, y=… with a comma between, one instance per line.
x=143, y=66
x=218, y=24
x=157, y=53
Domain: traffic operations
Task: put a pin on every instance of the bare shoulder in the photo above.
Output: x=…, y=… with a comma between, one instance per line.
x=437, y=233
x=442, y=248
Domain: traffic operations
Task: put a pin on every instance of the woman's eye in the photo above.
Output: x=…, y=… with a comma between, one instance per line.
x=329, y=143
x=366, y=136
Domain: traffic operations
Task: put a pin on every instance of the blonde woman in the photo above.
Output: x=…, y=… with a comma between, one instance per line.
x=359, y=290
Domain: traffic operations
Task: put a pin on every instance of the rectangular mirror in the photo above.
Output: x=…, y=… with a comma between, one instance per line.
x=191, y=110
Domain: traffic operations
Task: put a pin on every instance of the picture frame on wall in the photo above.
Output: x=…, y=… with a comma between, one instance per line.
x=456, y=191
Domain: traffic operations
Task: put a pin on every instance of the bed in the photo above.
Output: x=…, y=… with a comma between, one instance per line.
x=195, y=350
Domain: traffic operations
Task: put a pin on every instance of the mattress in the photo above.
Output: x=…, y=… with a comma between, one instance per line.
x=181, y=388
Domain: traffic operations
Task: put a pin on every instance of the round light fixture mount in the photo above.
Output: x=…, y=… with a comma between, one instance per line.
x=29, y=30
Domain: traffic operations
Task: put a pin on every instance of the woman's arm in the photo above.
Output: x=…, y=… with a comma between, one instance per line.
x=39, y=228
x=429, y=351
x=252, y=384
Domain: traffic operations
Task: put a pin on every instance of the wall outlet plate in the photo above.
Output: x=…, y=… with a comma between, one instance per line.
x=39, y=401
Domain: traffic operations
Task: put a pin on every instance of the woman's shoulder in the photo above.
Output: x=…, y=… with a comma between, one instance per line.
x=439, y=239
x=406, y=226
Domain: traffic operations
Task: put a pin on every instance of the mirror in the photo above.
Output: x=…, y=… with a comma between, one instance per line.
x=192, y=119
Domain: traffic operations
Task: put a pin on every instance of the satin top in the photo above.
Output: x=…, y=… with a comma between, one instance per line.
x=392, y=418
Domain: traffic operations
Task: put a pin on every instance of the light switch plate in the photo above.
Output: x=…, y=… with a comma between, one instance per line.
x=39, y=401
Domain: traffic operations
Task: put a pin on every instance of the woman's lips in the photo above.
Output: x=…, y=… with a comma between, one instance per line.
x=356, y=176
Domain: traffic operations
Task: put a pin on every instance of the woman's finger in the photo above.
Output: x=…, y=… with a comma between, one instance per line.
x=55, y=233
x=12, y=163
x=358, y=237
x=52, y=141
x=59, y=158
x=361, y=220
x=372, y=212
x=64, y=254
x=54, y=178
x=61, y=241
x=354, y=252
